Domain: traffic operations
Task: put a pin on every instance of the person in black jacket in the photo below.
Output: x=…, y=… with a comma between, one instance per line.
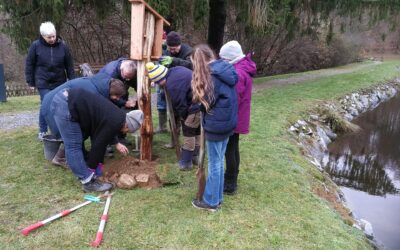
x=49, y=64
x=77, y=114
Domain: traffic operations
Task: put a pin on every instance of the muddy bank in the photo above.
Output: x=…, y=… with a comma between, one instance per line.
x=325, y=123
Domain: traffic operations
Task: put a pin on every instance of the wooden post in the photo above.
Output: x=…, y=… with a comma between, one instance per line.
x=146, y=42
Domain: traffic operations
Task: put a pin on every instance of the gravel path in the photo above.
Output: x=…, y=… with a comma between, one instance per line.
x=9, y=121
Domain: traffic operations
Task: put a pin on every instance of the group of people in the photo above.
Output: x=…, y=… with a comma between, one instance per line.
x=204, y=90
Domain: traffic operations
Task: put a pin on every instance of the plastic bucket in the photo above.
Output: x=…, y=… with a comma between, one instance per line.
x=50, y=146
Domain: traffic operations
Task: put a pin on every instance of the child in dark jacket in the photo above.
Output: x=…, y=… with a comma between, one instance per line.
x=246, y=69
x=213, y=86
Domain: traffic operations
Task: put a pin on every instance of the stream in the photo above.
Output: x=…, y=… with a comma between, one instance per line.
x=366, y=165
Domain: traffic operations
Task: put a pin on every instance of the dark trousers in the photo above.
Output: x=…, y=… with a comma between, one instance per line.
x=232, y=157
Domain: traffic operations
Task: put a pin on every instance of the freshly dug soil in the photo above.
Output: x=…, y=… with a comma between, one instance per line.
x=129, y=173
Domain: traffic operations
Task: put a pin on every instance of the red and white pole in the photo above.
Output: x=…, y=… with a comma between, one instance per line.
x=103, y=220
x=32, y=227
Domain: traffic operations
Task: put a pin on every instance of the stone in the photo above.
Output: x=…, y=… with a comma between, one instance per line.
x=367, y=228
x=126, y=181
x=143, y=178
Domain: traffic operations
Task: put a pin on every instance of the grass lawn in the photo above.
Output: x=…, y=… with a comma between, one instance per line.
x=274, y=208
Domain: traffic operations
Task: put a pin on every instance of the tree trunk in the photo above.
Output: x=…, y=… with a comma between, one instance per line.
x=216, y=24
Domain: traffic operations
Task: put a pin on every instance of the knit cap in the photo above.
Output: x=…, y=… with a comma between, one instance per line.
x=157, y=72
x=231, y=52
x=134, y=120
x=173, y=39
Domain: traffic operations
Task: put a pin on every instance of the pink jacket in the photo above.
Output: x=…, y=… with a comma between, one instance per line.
x=245, y=69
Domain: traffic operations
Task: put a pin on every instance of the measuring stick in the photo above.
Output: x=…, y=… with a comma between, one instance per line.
x=32, y=227
x=103, y=220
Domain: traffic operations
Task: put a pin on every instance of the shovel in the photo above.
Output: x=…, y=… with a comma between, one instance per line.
x=200, y=174
x=173, y=124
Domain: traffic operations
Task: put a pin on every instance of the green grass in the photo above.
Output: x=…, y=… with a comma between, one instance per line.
x=274, y=208
x=17, y=104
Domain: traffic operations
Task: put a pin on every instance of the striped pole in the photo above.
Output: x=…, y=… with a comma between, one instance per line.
x=64, y=213
x=103, y=220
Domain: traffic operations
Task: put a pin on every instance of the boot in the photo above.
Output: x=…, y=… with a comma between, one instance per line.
x=162, y=122
x=185, y=163
x=59, y=158
x=94, y=185
x=230, y=186
x=195, y=158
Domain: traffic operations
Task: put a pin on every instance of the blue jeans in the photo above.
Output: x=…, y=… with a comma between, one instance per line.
x=42, y=121
x=214, y=190
x=161, y=103
x=61, y=125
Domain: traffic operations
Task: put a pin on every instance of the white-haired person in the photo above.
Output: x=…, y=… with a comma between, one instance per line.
x=125, y=70
x=49, y=64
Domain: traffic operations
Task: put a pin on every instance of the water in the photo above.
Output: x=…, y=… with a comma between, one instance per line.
x=366, y=164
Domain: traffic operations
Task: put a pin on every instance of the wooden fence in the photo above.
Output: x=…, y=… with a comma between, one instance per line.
x=20, y=90
x=23, y=90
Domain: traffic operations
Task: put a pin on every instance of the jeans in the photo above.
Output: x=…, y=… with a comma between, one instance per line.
x=61, y=125
x=213, y=193
x=161, y=103
x=232, y=159
x=42, y=121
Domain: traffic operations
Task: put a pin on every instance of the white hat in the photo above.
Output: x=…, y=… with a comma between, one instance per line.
x=231, y=52
x=134, y=120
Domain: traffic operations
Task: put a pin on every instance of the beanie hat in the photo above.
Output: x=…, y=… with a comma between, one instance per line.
x=134, y=120
x=173, y=39
x=231, y=52
x=156, y=72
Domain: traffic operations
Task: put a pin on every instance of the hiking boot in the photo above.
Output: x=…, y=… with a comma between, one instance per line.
x=202, y=205
x=185, y=162
x=230, y=187
x=94, y=185
x=60, y=162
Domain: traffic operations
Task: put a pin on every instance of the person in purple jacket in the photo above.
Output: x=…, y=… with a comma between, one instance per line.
x=246, y=69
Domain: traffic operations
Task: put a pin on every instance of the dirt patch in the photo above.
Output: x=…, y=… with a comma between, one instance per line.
x=129, y=173
x=330, y=195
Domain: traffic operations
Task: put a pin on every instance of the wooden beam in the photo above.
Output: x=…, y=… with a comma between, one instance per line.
x=155, y=13
x=137, y=30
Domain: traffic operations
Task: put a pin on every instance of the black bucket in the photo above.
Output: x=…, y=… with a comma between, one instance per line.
x=50, y=146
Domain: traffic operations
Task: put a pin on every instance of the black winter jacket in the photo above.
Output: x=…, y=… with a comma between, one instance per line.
x=48, y=65
x=98, y=118
x=182, y=58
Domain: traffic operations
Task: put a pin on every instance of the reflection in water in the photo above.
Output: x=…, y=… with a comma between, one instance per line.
x=361, y=173
x=367, y=166
x=369, y=160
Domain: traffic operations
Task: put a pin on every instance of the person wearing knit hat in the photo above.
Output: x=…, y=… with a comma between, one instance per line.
x=231, y=52
x=178, y=53
x=246, y=69
x=156, y=72
x=134, y=120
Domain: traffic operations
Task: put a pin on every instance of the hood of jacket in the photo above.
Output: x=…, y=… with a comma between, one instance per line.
x=102, y=83
x=247, y=65
x=224, y=72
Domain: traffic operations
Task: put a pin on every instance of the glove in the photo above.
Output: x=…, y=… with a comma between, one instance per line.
x=166, y=60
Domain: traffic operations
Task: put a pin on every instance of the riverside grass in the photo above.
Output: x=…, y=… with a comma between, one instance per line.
x=274, y=208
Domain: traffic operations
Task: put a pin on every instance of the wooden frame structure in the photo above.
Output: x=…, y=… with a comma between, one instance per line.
x=146, y=44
